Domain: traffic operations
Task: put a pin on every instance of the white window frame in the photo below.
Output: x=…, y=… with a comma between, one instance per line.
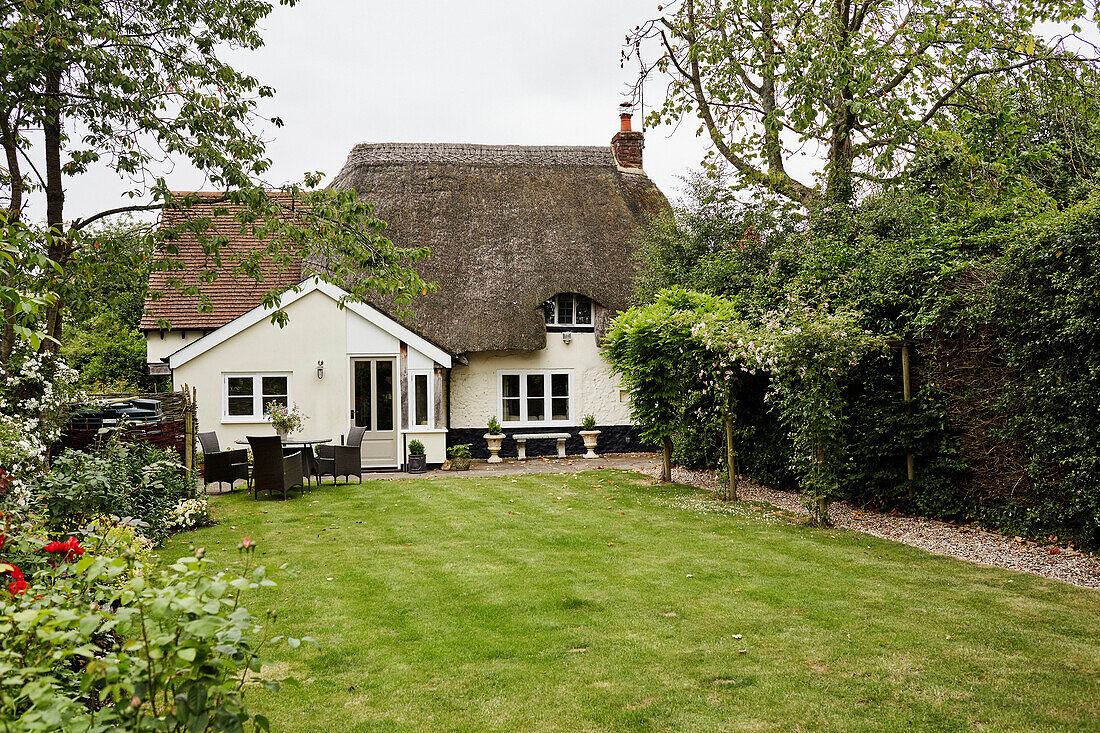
x=574, y=325
x=257, y=415
x=523, y=422
x=412, y=374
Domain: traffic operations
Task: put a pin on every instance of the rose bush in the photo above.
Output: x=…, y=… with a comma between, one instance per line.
x=164, y=650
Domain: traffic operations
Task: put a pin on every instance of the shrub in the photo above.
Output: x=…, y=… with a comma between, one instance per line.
x=134, y=481
x=99, y=643
x=187, y=514
x=416, y=448
x=462, y=450
x=588, y=422
x=494, y=426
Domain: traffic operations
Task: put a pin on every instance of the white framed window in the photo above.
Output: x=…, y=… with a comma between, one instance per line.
x=421, y=414
x=569, y=309
x=535, y=397
x=245, y=395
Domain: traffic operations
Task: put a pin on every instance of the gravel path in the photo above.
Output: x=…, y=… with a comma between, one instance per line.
x=966, y=543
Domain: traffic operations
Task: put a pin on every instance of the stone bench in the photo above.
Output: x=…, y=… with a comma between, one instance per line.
x=522, y=438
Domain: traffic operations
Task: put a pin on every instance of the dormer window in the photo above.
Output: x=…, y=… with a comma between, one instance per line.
x=569, y=311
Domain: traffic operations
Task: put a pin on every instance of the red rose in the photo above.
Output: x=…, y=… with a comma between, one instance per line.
x=18, y=584
x=70, y=548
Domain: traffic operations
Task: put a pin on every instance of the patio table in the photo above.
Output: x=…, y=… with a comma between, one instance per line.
x=309, y=460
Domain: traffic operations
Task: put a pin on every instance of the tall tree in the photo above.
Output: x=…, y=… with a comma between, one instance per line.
x=132, y=83
x=854, y=82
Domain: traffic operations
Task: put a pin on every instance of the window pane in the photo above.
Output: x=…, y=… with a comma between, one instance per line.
x=274, y=387
x=240, y=386
x=548, y=310
x=384, y=402
x=509, y=385
x=420, y=397
x=565, y=309
x=511, y=409
x=559, y=385
x=560, y=408
x=240, y=405
x=536, y=385
x=583, y=315
x=536, y=409
x=363, y=399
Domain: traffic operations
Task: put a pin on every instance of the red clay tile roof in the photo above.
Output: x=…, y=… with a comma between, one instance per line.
x=230, y=295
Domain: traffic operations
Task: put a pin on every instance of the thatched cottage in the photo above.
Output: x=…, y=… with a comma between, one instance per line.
x=532, y=252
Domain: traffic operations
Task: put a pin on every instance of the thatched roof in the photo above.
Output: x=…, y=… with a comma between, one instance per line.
x=509, y=226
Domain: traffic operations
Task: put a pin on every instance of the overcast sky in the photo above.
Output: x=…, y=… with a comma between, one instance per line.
x=480, y=71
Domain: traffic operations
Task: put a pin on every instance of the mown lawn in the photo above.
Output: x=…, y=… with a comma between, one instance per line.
x=600, y=601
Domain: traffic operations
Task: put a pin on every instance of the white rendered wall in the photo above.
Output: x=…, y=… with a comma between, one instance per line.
x=595, y=390
x=435, y=444
x=159, y=344
x=318, y=330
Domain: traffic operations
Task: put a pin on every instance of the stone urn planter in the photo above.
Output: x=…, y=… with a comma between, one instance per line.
x=589, y=437
x=494, y=440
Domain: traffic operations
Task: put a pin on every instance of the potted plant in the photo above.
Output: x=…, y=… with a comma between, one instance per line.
x=284, y=420
x=418, y=461
x=494, y=438
x=460, y=457
x=589, y=435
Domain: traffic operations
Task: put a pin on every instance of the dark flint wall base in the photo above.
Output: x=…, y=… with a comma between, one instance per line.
x=612, y=439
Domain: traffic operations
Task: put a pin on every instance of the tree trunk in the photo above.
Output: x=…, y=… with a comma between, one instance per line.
x=15, y=207
x=666, y=460
x=57, y=249
x=839, y=186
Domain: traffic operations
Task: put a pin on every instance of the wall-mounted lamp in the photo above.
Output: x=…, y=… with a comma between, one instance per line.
x=567, y=336
x=320, y=369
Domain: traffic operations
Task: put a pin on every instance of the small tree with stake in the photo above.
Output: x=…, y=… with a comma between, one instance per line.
x=646, y=346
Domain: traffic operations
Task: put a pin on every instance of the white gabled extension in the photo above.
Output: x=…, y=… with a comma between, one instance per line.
x=304, y=288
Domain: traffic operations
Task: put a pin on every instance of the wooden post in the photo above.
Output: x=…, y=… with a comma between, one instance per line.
x=731, y=458
x=821, y=512
x=910, y=471
x=731, y=462
x=188, y=432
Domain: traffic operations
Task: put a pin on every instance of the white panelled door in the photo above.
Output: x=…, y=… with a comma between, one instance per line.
x=374, y=401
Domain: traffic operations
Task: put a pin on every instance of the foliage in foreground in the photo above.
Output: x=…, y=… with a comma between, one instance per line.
x=94, y=641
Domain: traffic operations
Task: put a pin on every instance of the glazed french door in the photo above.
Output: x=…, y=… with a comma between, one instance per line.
x=374, y=406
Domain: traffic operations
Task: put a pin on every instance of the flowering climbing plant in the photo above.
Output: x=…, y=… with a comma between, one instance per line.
x=37, y=391
x=687, y=352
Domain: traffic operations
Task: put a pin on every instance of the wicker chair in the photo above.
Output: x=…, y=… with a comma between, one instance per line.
x=222, y=466
x=271, y=470
x=343, y=460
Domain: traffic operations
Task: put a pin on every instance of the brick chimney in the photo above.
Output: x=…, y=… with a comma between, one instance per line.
x=627, y=145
